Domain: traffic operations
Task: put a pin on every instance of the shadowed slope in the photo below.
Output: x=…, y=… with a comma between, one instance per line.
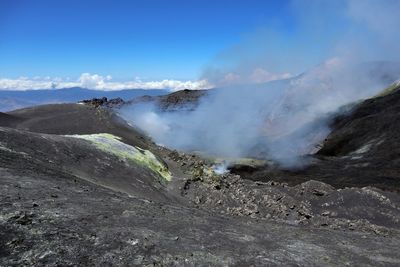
x=9, y=120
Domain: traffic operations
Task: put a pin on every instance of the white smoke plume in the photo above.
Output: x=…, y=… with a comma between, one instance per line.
x=284, y=117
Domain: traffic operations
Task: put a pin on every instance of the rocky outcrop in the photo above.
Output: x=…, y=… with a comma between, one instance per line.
x=97, y=102
x=184, y=100
x=310, y=203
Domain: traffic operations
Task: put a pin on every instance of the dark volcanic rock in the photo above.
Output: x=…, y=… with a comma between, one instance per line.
x=66, y=202
x=115, y=103
x=310, y=203
x=185, y=99
x=97, y=102
x=181, y=100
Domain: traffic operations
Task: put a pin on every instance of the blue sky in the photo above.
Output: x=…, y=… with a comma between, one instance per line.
x=150, y=39
x=175, y=44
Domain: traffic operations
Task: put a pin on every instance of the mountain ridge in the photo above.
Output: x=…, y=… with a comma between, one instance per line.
x=15, y=99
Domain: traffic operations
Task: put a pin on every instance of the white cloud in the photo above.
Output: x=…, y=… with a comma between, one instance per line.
x=91, y=81
x=98, y=82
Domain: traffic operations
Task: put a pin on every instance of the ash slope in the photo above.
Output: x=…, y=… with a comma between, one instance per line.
x=66, y=202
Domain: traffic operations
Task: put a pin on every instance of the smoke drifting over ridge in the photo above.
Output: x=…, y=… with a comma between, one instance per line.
x=285, y=118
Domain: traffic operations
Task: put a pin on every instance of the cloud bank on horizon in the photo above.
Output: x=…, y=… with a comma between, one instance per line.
x=98, y=82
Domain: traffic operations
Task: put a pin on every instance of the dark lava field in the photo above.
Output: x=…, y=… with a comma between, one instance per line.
x=80, y=186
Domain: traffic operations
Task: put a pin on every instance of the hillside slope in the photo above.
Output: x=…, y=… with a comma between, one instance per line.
x=75, y=119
